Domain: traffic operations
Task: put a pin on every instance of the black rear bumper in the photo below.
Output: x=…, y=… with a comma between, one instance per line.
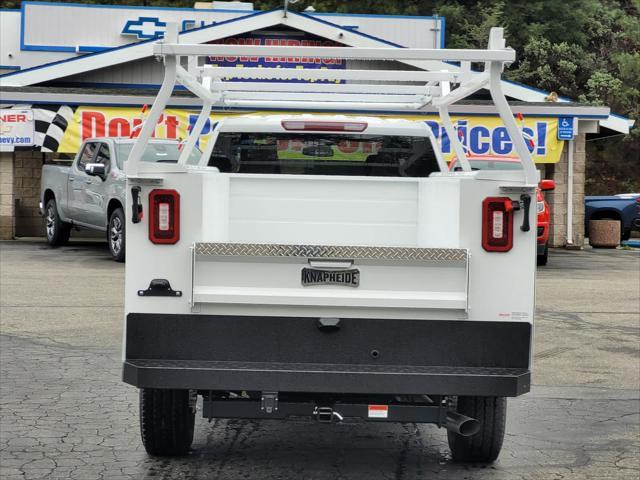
x=285, y=354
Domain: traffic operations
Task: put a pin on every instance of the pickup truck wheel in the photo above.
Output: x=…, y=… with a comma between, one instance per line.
x=167, y=419
x=115, y=235
x=57, y=231
x=542, y=259
x=484, y=446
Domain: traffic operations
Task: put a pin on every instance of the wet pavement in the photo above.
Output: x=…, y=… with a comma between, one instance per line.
x=66, y=414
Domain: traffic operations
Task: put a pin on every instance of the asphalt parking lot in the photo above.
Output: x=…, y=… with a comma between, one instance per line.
x=66, y=414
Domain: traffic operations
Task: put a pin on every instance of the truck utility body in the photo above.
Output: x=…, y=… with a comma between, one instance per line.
x=325, y=265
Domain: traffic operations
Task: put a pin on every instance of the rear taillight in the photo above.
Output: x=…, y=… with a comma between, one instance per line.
x=164, y=216
x=319, y=126
x=497, y=224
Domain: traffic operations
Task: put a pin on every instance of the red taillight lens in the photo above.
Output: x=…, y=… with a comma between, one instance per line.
x=164, y=216
x=324, y=126
x=497, y=224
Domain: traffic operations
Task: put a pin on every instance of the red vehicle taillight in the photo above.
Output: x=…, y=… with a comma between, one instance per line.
x=164, y=216
x=497, y=224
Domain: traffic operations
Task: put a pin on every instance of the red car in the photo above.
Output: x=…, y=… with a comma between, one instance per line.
x=489, y=162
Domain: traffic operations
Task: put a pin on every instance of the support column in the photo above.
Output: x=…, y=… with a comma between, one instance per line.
x=579, y=168
x=7, y=210
x=558, y=198
x=26, y=188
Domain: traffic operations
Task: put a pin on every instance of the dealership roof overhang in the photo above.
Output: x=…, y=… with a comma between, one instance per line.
x=588, y=115
x=21, y=87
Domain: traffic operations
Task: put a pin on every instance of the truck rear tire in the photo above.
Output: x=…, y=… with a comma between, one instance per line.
x=484, y=446
x=167, y=419
x=116, y=235
x=57, y=231
x=544, y=258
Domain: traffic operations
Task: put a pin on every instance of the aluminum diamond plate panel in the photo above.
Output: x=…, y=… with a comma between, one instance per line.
x=327, y=251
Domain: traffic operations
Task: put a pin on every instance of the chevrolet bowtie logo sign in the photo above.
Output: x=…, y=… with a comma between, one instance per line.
x=145, y=28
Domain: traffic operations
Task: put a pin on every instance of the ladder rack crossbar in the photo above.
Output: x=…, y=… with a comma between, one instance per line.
x=349, y=53
x=328, y=74
x=324, y=97
x=356, y=88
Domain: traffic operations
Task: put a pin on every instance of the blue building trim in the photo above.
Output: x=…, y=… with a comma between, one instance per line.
x=443, y=27
x=310, y=17
x=134, y=7
x=10, y=67
x=91, y=48
x=537, y=90
x=130, y=45
x=22, y=17
x=129, y=27
x=370, y=15
x=68, y=48
x=121, y=47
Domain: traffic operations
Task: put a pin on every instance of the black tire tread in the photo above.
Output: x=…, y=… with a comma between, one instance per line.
x=62, y=230
x=166, y=421
x=120, y=257
x=484, y=446
x=544, y=258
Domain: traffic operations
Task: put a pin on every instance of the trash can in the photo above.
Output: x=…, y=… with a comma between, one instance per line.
x=604, y=233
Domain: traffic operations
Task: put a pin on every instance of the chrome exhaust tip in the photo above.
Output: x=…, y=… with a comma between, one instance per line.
x=461, y=424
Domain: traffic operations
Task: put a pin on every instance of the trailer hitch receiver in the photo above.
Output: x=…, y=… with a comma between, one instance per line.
x=326, y=415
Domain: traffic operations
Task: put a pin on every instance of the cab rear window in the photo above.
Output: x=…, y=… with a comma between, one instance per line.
x=324, y=154
x=157, y=152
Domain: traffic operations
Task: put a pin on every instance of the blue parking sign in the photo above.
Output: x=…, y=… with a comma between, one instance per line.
x=565, y=128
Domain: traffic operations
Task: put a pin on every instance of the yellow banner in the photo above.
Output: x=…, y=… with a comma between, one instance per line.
x=481, y=135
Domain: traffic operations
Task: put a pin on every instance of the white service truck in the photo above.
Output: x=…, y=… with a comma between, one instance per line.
x=329, y=266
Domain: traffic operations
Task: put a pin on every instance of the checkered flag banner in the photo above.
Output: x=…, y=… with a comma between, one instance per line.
x=50, y=123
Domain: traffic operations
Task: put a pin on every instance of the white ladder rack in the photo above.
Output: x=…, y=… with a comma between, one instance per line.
x=365, y=90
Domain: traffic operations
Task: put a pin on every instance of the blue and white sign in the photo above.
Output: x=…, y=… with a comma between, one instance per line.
x=145, y=28
x=565, y=128
x=16, y=129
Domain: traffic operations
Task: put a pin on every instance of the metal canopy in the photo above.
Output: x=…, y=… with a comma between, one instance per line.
x=378, y=90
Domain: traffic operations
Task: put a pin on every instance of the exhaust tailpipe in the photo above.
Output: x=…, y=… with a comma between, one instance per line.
x=461, y=424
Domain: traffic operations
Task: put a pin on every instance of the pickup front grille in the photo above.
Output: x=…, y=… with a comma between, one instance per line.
x=333, y=252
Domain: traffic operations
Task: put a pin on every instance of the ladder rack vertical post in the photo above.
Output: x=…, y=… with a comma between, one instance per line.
x=164, y=94
x=500, y=101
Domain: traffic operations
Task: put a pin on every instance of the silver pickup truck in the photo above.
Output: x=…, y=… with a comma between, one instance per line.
x=90, y=193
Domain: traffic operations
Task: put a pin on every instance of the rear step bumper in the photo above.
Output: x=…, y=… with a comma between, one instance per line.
x=296, y=377
x=363, y=356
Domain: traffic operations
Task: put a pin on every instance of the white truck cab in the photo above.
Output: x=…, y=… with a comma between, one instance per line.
x=329, y=265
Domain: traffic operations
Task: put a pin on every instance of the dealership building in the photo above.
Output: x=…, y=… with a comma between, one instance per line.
x=82, y=70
